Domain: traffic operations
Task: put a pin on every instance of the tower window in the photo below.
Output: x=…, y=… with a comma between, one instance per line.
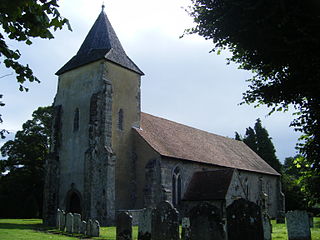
x=120, y=119
x=76, y=120
x=176, y=187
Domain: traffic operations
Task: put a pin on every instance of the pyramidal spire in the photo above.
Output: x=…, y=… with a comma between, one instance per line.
x=100, y=43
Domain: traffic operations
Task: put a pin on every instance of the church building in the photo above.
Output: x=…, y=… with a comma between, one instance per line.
x=106, y=155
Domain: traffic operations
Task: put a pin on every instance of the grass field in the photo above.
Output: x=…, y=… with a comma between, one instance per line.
x=27, y=229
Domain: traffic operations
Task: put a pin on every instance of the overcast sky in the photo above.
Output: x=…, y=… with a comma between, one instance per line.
x=183, y=82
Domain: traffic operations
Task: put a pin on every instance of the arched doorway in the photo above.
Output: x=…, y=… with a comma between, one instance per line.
x=74, y=202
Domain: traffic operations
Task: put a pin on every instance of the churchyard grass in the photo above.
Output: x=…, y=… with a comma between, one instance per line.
x=32, y=229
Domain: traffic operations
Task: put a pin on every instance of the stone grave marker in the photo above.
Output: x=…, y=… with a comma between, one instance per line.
x=58, y=218
x=124, y=226
x=244, y=219
x=88, y=229
x=164, y=222
x=267, y=227
x=62, y=221
x=298, y=225
x=83, y=227
x=69, y=223
x=95, y=229
x=185, y=231
x=76, y=222
x=206, y=223
x=144, y=227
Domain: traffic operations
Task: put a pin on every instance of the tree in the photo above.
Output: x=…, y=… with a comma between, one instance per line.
x=22, y=169
x=22, y=20
x=300, y=185
x=279, y=42
x=260, y=142
x=265, y=146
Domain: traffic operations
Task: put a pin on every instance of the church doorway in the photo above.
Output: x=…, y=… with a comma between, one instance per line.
x=74, y=202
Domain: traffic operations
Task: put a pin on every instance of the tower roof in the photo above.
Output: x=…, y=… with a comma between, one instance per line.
x=100, y=43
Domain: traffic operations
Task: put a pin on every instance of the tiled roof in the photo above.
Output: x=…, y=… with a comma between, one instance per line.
x=209, y=185
x=176, y=140
x=100, y=43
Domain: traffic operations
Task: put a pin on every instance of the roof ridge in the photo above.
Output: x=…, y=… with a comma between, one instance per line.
x=184, y=125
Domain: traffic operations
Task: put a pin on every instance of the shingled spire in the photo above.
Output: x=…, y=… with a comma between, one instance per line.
x=100, y=43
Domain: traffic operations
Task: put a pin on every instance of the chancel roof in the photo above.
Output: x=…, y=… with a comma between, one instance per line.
x=100, y=43
x=209, y=185
x=179, y=141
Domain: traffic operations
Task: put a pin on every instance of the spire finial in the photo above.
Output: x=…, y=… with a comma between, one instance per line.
x=103, y=6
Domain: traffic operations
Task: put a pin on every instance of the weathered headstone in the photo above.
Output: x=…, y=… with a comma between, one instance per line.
x=206, y=223
x=124, y=226
x=185, y=231
x=164, y=223
x=298, y=225
x=88, y=229
x=69, y=223
x=144, y=228
x=95, y=229
x=244, y=219
x=76, y=222
x=58, y=218
x=267, y=227
x=62, y=220
x=83, y=227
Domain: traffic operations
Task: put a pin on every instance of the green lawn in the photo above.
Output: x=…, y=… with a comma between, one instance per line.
x=32, y=229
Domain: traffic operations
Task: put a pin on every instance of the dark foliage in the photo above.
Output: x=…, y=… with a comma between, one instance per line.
x=279, y=41
x=22, y=20
x=22, y=173
x=260, y=142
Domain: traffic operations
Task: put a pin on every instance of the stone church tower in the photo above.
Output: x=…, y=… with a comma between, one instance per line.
x=96, y=105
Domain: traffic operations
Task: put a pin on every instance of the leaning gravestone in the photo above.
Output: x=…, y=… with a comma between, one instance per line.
x=95, y=229
x=62, y=220
x=124, y=226
x=69, y=223
x=185, y=228
x=144, y=228
x=88, y=229
x=298, y=225
x=206, y=223
x=164, y=222
x=244, y=219
x=76, y=222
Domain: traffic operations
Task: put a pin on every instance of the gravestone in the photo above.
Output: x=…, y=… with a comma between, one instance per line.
x=83, y=227
x=62, y=220
x=244, y=219
x=144, y=228
x=76, y=222
x=185, y=228
x=267, y=227
x=206, y=223
x=95, y=229
x=59, y=213
x=124, y=226
x=69, y=223
x=88, y=229
x=298, y=225
x=164, y=222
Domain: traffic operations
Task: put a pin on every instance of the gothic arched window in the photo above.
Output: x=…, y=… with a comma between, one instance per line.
x=120, y=119
x=76, y=120
x=176, y=187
